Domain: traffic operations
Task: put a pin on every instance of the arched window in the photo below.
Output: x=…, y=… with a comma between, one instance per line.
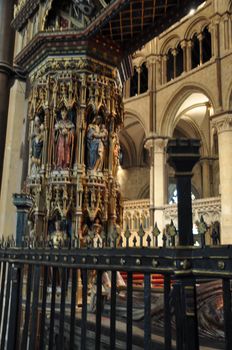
x=134, y=84
x=135, y=221
x=128, y=221
x=206, y=45
x=195, y=53
x=143, y=221
x=173, y=195
x=170, y=65
x=179, y=61
x=143, y=78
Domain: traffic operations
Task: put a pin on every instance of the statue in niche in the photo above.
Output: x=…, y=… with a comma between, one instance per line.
x=98, y=230
x=64, y=141
x=30, y=233
x=97, y=136
x=58, y=236
x=215, y=235
x=31, y=229
x=37, y=140
x=116, y=154
x=57, y=239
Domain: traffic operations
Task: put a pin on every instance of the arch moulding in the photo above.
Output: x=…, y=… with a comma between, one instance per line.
x=175, y=102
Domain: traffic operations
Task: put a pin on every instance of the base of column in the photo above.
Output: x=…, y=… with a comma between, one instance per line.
x=226, y=230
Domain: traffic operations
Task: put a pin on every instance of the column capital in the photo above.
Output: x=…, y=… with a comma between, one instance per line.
x=138, y=69
x=22, y=201
x=222, y=122
x=183, y=154
x=216, y=19
x=156, y=143
x=164, y=58
x=226, y=16
x=152, y=59
x=174, y=52
x=183, y=43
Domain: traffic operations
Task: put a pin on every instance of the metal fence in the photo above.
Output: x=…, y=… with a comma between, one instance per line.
x=58, y=298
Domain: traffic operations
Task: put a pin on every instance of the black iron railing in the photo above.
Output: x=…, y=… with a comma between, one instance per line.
x=59, y=299
x=106, y=296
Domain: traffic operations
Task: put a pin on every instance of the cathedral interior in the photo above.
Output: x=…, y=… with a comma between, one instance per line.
x=91, y=95
x=125, y=94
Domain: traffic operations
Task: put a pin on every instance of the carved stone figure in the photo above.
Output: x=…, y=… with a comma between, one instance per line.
x=37, y=140
x=97, y=229
x=96, y=144
x=215, y=236
x=64, y=141
x=116, y=154
x=58, y=237
x=31, y=229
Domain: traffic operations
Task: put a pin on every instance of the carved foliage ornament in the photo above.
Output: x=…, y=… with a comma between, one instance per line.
x=223, y=124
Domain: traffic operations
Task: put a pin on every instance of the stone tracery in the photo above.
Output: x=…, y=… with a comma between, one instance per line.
x=82, y=111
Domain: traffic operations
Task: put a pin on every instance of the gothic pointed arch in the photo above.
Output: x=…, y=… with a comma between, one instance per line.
x=175, y=102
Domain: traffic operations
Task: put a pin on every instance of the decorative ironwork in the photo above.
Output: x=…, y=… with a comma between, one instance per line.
x=27, y=269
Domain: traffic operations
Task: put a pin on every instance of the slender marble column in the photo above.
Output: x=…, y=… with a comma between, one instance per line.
x=157, y=145
x=206, y=177
x=6, y=58
x=223, y=124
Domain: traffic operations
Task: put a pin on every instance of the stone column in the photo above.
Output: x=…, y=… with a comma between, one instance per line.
x=23, y=204
x=183, y=154
x=157, y=145
x=200, y=38
x=138, y=69
x=6, y=58
x=152, y=90
x=226, y=31
x=16, y=143
x=127, y=88
x=183, y=46
x=150, y=146
x=164, y=69
x=206, y=177
x=174, y=53
x=223, y=125
x=189, y=56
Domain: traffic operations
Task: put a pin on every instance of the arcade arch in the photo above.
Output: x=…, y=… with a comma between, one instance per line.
x=133, y=175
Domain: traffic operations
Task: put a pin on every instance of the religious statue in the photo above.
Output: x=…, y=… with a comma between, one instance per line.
x=31, y=229
x=96, y=143
x=116, y=154
x=97, y=229
x=164, y=239
x=215, y=236
x=58, y=237
x=31, y=236
x=64, y=141
x=202, y=229
x=37, y=140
